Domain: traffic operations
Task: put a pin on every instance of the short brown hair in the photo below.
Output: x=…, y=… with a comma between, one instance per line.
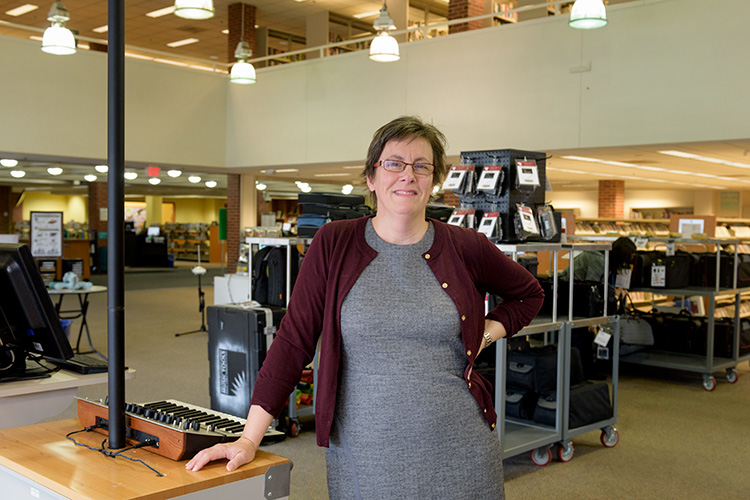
x=407, y=127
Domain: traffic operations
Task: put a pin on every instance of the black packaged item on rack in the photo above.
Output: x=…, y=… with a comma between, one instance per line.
x=589, y=403
x=678, y=332
x=529, y=262
x=548, y=225
x=641, y=274
x=465, y=218
x=238, y=338
x=491, y=180
x=461, y=179
x=706, y=275
x=491, y=226
x=331, y=199
x=525, y=223
x=588, y=298
x=308, y=225
x=534, y=369
x=269, y=275
x=545, y=412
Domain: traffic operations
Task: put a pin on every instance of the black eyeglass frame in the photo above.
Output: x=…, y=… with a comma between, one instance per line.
x=403, y=165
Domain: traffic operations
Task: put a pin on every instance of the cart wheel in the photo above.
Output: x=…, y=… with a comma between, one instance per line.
x=294, y=428
x=565, y=451
x=610, y=437
x=541, y=456
x=732, y=375
x=709, y=382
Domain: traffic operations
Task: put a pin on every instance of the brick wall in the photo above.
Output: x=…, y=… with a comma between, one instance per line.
x=451, y=198
x=459, y=9
x=97, y=200
x=612, y=199
x=233, y=220
x=235, y=28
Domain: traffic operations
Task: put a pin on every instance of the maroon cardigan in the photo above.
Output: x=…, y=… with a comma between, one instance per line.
x=464, y=261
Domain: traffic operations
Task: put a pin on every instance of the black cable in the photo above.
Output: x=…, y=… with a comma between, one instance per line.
x=102, y=449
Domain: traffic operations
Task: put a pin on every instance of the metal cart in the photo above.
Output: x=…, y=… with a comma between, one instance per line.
x=294, y=412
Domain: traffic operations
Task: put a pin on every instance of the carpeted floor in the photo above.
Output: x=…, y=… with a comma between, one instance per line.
x=677, y=441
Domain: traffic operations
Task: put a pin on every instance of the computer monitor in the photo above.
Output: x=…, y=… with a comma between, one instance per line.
x=28, y=320
x=153, y=231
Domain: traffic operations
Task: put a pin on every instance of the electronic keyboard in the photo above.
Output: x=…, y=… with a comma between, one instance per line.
x=178, y=430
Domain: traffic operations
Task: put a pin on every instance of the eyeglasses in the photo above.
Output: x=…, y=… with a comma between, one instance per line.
x=419, y=168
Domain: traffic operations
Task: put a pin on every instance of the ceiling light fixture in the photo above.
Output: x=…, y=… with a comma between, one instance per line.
x=54, y=170
x=131, y=176
x=260, y=186
x=347, y=189
x=161, y=12
x=707, y=159
x=23, y=9
x=194, y=9
x=211, y=184
x=174, y=173
x=58, y=39
x=7, y=162
x=194, y=179
x=243, y=73
x=89, y=177
x=17, y=173
x=154, y=181
x=384, y=48
x=588, y=15
x=102, y=169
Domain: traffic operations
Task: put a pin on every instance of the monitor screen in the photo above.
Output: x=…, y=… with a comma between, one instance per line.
x=28, y=320
x=152, y=231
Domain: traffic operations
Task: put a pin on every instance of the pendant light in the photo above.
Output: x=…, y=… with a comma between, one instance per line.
x=243, y=73
x=384, y=48
x=194, y=9
x=58, y=39
x=588, y=14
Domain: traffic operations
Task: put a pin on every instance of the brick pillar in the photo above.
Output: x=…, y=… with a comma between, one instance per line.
x=6, y=210
x=233, y=221
x=234, y=25
x=612, y=199
x=97, y=200
x=451, y=198
x=459, y=9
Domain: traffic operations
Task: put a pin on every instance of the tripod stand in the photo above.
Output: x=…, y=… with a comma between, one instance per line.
x=198, y=271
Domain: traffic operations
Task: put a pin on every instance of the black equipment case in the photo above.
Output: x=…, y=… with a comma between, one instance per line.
x=238, y=339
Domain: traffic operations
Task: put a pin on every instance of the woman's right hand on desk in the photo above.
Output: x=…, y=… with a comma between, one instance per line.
x=238, y=453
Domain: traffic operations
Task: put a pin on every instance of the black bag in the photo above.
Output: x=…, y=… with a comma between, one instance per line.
x=269, y=275
x=589, y=403
x=545, y=410
x=519, y=403
x=588, y=299
x=534, y=369
x=642, y=261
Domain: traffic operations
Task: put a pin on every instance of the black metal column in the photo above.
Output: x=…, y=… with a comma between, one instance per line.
x=115, y=221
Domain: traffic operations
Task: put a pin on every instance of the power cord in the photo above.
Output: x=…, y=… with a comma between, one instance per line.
x=102, y=449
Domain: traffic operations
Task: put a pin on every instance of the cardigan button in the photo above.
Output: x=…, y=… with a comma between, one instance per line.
x=445, y=285
x=468, y=353
x=492, y=427
x=426, y=256
x=463, y=318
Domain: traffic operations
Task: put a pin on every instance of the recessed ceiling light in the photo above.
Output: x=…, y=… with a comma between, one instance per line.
x=102, y=169
x=286, y=170
x=17, y=173
x=348, y=188
x=7, y=162
x=353, y=167
x=23, y=9
x=226, y=32
x=54, y=171
x=194, y=179
x=161, y=12
x=36, y=38
x=707, y=159
x=89, y=177
x=131, y=176
x=211, y=184
x=180, y=43
x=154, y=181
x=174, y=173
x=260, y=186
x=101, y=29
x=337, y=174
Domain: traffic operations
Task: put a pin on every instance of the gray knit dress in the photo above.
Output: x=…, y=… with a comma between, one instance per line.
x=406, y=425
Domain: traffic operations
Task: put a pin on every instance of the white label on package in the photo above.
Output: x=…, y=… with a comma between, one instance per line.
x=489, y=178
x=602, y=338
x=527, y=220
x=641, y=242
x=622, y=280
x=456, y=177
x=489, y=224
x=527, y=173
x=457, y=218
x=670, y=248
x=659, y=275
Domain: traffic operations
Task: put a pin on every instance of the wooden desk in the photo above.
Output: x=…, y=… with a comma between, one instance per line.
x=37, y=461
x=28, y=401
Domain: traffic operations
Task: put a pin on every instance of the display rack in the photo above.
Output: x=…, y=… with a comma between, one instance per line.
x=295, y=411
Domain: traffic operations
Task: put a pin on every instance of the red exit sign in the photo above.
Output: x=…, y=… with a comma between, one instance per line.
x=152, y=171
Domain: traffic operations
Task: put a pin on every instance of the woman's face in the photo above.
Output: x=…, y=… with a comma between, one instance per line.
x=403, y=193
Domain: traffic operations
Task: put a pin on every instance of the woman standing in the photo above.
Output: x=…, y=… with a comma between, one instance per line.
x=397, y=302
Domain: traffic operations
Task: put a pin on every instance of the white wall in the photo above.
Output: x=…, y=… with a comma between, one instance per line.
x=588, y=201
x=57, y=106
x=661, y=71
